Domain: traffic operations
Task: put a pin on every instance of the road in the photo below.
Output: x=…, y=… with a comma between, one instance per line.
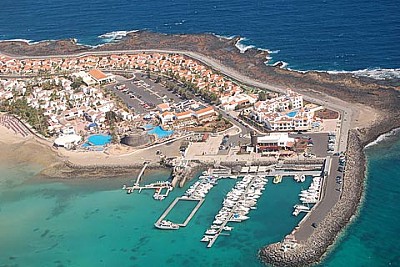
x=330, y=196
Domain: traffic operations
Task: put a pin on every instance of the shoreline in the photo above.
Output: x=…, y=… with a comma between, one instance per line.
x=319, y=245
x=361, y=98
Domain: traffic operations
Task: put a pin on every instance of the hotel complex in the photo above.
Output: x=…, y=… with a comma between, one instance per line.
x=85, y=105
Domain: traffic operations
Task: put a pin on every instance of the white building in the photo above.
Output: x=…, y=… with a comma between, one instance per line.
x=272, y=142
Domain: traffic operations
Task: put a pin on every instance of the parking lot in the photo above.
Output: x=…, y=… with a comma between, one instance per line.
x=319, y=142
x=142, y=94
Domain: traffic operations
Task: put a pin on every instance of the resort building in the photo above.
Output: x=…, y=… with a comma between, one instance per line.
x=67, y=140
x=205, y=114
x=185, y=113
x=100, y=77
x=229, y=103
x=283, y=113
x=271, y=142
x=163, y=107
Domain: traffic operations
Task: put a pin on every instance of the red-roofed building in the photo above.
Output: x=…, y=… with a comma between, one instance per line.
x=205, y=114
x=100, y=77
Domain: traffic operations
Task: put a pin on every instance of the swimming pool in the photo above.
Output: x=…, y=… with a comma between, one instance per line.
x=291, y=114
x=160, y=132
x=148, y=127
x=97, y=140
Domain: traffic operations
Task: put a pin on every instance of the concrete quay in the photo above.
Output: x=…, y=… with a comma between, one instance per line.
x=292, y=252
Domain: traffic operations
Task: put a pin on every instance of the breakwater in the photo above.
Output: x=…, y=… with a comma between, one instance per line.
x=312, y=249
x=67, y=169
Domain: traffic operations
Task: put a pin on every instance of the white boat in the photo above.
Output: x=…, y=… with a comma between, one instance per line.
x=211, y=232
x=228, y=228
x=238, y=217
x=302, y=178
x=301, y=207
x=166, y=225
x=216, y=221
x=207, y=238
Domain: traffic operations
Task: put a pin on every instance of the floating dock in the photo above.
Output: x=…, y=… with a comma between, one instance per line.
x=157, y=186
x=229, y=217
x=170, y=207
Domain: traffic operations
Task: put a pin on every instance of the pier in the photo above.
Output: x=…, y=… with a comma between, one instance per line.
x=170, y=207
x=146, y=163
x=157, y=186
x=233, y=211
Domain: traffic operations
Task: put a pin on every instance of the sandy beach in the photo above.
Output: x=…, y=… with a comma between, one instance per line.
x=17, y=149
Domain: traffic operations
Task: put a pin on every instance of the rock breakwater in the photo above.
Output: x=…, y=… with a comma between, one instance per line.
x=287, y=253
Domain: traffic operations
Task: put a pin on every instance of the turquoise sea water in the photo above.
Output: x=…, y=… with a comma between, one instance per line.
x=373, y=239
x=94, y=223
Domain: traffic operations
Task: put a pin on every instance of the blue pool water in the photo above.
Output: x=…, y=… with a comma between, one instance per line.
x=97, y=140
x=160, y=132
x=292, y=114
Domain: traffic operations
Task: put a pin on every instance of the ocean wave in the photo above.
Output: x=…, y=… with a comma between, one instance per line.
x=280, y=64
x=384, y=137
x=17, y=40
x=243, y=47
x=224, y=36
x=114, y=36
x=377, y=73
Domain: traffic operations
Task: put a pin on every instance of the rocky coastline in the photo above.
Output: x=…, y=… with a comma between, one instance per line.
x=69, y=170
x=312, y=250
x=383, y=96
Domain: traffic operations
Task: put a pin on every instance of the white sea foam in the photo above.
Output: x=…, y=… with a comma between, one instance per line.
x=17, y=40
x=378, y=73
x=384, y=137
x=115, y=35
x=242, y=47
x=223, y=36
x=281, y=64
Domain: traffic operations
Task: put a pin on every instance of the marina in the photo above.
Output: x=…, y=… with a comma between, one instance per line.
x=237, y=204
x=168, y=225
x=195, y=192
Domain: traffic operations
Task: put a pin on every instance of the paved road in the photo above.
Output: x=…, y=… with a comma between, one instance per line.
x=330, y=197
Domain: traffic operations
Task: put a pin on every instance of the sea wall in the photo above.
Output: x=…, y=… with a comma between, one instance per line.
x=311, y=250
x=68, y=170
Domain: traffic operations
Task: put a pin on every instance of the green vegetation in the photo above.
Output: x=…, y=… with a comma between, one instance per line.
x=112, y=118
x=31, y=115
x=77, y=83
